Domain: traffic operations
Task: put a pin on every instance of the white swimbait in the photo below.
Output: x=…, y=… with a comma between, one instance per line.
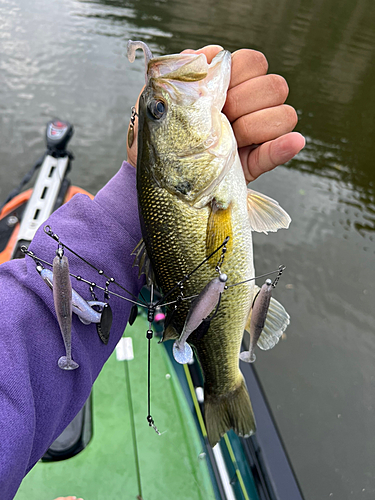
x=258, y=318
x=202, y=306
x=81, y=307
x=62, y=298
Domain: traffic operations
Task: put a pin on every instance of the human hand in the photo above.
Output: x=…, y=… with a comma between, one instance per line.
x=261, y=122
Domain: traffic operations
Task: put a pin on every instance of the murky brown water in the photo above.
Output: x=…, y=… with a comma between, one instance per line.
x=67, y=59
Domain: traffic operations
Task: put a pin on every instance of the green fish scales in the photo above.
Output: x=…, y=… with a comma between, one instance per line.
x=177, y=248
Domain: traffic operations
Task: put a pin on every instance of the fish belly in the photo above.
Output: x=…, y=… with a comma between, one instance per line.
x=175, y=238
x=219, y=349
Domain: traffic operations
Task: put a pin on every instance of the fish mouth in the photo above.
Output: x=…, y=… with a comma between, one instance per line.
x=183, y=67
x=179, y=67
x=187, y=77
x=173, y=70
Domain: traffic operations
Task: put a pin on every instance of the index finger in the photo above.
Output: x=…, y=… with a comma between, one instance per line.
x=246, y=63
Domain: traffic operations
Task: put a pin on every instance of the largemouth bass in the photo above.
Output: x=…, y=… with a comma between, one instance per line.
x=192, y=195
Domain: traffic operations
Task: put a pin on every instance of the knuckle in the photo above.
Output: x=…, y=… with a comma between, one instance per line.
x=241, y=131
x=252, y=58
x=261, y=60
x=256, y=163
x=231, y=105
x=279, y=87
x=291, y=115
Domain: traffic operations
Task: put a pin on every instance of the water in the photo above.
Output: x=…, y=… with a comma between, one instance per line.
x=67, y=59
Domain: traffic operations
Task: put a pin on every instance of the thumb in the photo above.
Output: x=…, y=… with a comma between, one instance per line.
x=270, y=154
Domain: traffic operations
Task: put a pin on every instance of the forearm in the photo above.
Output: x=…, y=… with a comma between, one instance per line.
x=37, y=399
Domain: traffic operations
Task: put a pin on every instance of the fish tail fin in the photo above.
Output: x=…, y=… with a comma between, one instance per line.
x=231, y=411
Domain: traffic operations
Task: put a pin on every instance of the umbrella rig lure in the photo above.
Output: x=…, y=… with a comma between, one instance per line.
x=204, y=306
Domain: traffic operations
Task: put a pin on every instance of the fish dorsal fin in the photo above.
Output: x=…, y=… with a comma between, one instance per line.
x=265, y=214
x=143, y=262
x=219, y=226
x=276, y=322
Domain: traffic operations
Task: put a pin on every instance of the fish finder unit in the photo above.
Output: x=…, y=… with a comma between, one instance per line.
x=51, y=185
x=58, y=134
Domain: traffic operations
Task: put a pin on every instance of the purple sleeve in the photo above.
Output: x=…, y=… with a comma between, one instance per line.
x=37, y=399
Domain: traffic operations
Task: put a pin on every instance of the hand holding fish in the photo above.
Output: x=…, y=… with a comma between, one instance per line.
x=261, y=122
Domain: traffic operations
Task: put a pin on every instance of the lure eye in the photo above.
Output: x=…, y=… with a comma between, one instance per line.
x=157, y=108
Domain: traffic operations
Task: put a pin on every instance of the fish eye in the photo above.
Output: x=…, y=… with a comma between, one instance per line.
x=157, y=108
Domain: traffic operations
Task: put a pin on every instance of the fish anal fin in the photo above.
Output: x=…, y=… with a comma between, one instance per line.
x=170, y=333
x=276, y=322
x=143, y=262
x=219, y=226
x=265, y=214
x=229, y=411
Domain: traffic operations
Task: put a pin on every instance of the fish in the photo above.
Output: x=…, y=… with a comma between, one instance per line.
x=200, y=309
x=84, y=309
x=62, y=298
x=192, y=195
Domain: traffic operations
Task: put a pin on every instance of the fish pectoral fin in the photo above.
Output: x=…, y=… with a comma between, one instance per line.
x=265, y=214
x=276, y=322
x=219, y=226
x=143, y=262
x=229, y=411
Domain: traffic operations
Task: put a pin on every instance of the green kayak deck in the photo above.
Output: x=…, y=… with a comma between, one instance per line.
x=174, y=465
x=170, y=464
